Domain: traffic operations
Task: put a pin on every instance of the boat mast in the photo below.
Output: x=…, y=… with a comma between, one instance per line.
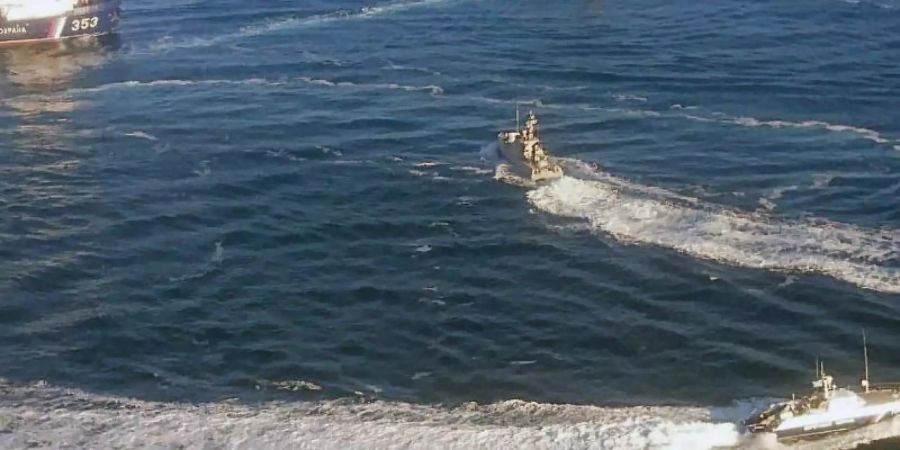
x=517, y=114
x=865, y=381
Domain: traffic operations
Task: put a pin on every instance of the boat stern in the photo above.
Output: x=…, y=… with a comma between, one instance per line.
x=91, y=17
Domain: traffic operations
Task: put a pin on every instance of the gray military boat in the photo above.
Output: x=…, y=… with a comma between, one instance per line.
x=525, y=152
x=828, y=409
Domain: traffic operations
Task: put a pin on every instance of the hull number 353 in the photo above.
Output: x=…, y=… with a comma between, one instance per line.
x=87, y=23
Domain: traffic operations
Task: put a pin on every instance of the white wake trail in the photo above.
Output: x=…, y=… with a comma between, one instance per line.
x=45, y=417
x=294, y=22
x=39, y=416
x=647, y=215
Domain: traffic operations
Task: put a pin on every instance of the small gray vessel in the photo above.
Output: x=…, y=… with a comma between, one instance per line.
x=525, y=152
x=829, y=409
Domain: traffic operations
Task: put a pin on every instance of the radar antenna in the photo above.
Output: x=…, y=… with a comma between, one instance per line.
x=517, y=114
x=865, y=381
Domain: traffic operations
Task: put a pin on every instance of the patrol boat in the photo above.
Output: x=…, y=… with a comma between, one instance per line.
x=525, y=152
x=829, y=409
x=24, y=21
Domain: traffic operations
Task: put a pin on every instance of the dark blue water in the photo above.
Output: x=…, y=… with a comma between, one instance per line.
x=292, y=212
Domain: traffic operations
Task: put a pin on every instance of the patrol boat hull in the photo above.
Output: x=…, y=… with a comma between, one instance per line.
x=828, y=427
x=840, y=410
x=94, y=19
x=512, y=153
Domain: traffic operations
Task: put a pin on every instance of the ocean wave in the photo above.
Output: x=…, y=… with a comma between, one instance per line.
x=746, y=121
x=400, y=67
x=629, y=98
x=433, y=89
x=131, y=84
x=870, y=3
x=473, y=170
x=634, y=213
x=138, y=84
x=269, y=26
x=211, y=265
x=142, y=135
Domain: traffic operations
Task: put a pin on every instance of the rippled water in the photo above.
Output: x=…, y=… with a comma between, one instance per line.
x=285, y=225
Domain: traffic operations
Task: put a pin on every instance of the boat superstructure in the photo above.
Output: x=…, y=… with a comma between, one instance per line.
x=522, y=147
x=828, y=408
x=24, y=21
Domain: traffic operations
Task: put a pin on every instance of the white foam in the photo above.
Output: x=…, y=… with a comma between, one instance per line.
x=869, y=3
x=526, y=362
x=504, y=174
x=293, y=385
x=329, y=151
x=789, y=280
x=219, y=254
x=474, y=170
x=634, y=213
x=46, y=417
x=157, y=83
x=269, y=26
x=629, y=98
x=431, y=88
x=142, y=135
x=768, y=202
x=822, y=180
x=133, y=84
x=400, y=67
x=753, y=122
x=490, y=152
x=769, y=205
x=281, y=153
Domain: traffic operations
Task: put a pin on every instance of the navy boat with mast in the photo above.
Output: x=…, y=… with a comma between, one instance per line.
x=829, y=409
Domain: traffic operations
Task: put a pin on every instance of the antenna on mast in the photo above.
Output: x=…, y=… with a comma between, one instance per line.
x=517, y=113
x=865, y=381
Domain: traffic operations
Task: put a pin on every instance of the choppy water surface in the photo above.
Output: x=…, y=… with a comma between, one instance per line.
x=285, y=225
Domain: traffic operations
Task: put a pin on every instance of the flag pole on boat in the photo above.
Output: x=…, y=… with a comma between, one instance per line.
x=865, y=381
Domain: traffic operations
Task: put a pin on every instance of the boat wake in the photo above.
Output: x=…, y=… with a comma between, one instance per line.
x=42, y=416
x=432, y=89
x=93, y=421
x=648, y=215
x=269, y=26
x=752, y=122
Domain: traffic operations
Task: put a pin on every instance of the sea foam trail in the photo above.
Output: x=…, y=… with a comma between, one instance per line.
x=44, y=417
x=133, y=84
x=275, y=25
x=642, y=214
x=745, y=121
x=163, y=83
x=433, y=89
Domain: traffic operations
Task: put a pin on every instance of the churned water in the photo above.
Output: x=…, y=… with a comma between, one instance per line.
x=283, y=224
